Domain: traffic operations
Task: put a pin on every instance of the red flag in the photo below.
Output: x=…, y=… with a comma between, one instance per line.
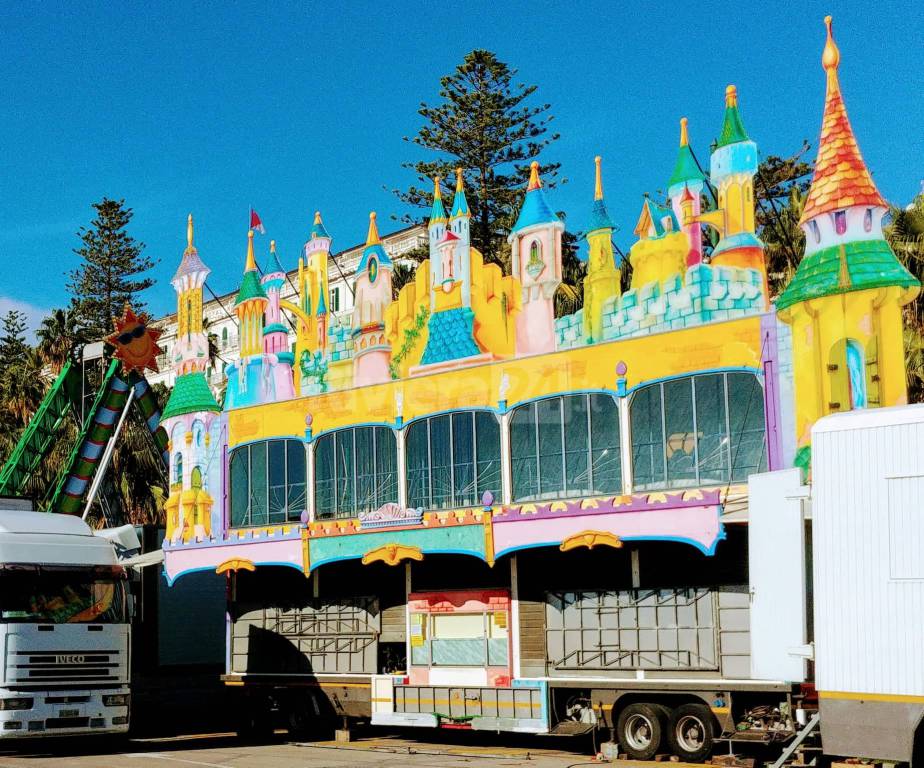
x=255, y=222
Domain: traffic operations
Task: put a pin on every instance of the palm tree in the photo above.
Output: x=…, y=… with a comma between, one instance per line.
x=58, y=335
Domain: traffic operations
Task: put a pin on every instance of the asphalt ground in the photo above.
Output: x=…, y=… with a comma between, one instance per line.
x=466, y=750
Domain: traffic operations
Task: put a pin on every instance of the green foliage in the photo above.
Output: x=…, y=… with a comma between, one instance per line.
x=905, y=233
x=12, y=340
x=570, y=295
x=401, y=275
x=411, y=336
x=109, y=274
x=780, y=187
x=58, y=335
x=484, y=124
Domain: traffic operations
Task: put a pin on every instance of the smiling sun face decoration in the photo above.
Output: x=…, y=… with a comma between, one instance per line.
x=135, y=343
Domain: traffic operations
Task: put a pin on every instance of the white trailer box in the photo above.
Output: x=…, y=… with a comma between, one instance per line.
x=868, y=537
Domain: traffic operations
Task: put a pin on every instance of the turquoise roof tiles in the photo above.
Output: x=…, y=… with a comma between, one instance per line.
x=535, y=210
x=190, y=394
x=599, y=217
x=685, y=168
x=842, y=268
x=250, y=288
x=450, y=336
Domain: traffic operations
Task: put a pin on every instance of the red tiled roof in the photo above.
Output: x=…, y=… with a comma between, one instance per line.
x=841, y=177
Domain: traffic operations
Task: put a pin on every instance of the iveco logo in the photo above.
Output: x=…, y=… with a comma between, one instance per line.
x=60, y=659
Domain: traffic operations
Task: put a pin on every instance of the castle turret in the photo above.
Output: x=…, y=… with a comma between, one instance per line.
x=535, y=255
x=250, y=306
x=460, y=219
x=191, y=410
x=687, y=181
x=191, y=348
x=844, y=302
x=275, y=334
x=371, y=351
x=603, y=274
x=436, y=227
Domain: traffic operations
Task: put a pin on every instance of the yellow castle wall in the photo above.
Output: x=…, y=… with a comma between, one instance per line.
x=820, y=324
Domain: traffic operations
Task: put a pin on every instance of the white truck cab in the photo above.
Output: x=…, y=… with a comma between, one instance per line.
x=64, y=628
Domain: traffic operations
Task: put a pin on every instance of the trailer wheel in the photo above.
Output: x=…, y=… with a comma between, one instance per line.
x=640, y=728
x=691, y=732
x=255, y=719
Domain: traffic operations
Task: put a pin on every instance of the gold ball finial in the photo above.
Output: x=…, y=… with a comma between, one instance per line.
x=250, y=234
x=372, y=215
x=534, y=165
x=189, y=233
x=272, y=246
x=598, y=178
x=731, y=96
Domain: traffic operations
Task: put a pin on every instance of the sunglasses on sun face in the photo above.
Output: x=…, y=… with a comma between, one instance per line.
x=136, y=333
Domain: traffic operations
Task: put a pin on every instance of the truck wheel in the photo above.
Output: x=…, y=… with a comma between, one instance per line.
x=691, y=732
x=639, y=729
x=255, y=720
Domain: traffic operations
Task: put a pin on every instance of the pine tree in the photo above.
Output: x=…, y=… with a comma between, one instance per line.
x=12, y=340
x=106, y=279
x=484, y=126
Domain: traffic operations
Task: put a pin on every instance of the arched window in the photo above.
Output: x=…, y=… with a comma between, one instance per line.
x=224, y=337
x=698, y=430
x=195, y=479
x=267, y=481
x=535, y=252
x=356, y=470
x=816, y=232
x=840, y=222
x=565, y=446
x=868, y=220
x=178, y=467
x=453, y=459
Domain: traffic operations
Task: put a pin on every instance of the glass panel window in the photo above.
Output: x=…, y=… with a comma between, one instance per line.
x=565, y=446
x=680, y=433
x=355, y=471
x=258, y=505
x=240, y=486
x=523, y=452
x=747, y=426
x=453, y=459
x=296, y=477
x=267, y=482
x=840, y=222
x=648, y=467
x=712, y=429
x=698, y=430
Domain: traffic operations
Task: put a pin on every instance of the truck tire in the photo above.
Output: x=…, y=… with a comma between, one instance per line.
x=255, y=720
x=691, y=732
x=640, y=729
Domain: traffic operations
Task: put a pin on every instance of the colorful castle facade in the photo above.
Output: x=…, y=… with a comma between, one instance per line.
x=464, y=339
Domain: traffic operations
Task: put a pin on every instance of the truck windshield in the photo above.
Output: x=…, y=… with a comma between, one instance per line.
x=61, y=597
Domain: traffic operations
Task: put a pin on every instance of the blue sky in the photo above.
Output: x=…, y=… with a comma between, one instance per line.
x=292, y=107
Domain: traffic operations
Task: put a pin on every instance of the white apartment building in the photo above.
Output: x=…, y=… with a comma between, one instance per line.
x=222, y=321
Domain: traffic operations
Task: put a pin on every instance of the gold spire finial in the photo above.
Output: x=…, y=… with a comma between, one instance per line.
x=731, y=96
x=459, y=181
x=832, y=55
x=684, y=136
x=189, y=234
x=272, y=246
x=534, y=182
x=373, y=237
x=251, y=261
x=437, y=194
x=598, y=180
x=317, y=217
